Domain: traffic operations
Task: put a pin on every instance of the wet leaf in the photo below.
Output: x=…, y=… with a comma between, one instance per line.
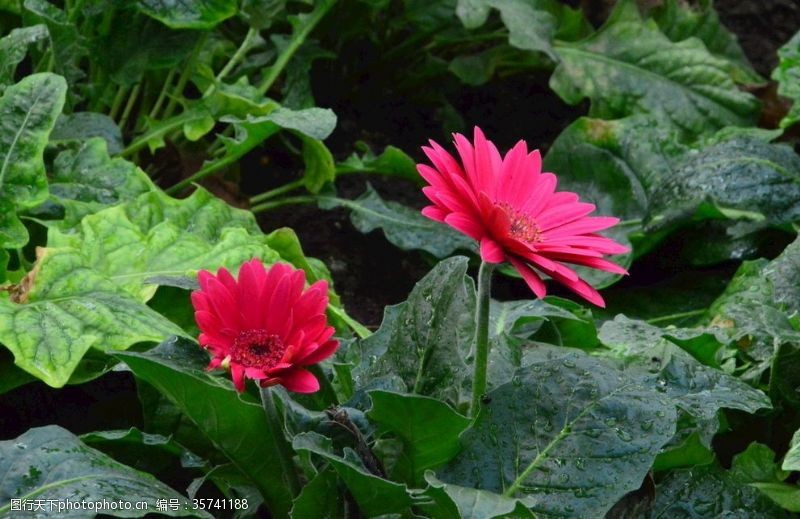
x=426, y=340
x=14, y=47
x=583, y=435
x=50, y=463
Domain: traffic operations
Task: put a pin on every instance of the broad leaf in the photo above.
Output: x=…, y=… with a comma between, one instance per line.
x=62, y=309
x=403, y=226
x=426, y=340
x=375, y=496
x=14, y=47
x=792, y=459
x=393, y=162
x=787, y=74
x=700, y=390
x=189, y=14
x=710, y=491
x=196, y=233
x=680, y=22
x=629, y=66
x=28, y=111
x=583, y=435
x=320, y=498
x=470, y=503
x=236, y=424
x=81, y=126
x=87, y=180
x=50, y=463
x=137, y=448
x=428, y=428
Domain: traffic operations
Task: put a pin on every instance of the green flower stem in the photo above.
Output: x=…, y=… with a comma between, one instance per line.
x=675, y=317
x=297, y=40
x=117, y=103
x=282, y=446
x=237, y=57
x=272, y=193
x=481, y=336
x=291, y=200
x=162, y=94
x=126, y=113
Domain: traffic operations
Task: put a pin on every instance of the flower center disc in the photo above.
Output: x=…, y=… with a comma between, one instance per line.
x=522, y=226
x=257, y=349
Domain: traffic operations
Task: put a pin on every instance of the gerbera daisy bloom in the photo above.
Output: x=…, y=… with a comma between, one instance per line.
x=515, y=213
x=264, y=326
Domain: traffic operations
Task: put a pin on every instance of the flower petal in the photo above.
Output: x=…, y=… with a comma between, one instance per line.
x=300, y=381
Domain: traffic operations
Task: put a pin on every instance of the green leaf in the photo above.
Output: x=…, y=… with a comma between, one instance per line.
x=320, y=169
x=740, y=178
x=403, y=226
x=754, y=311
x=375, y=496
x=700, y=390
x=155, y=235
x=710, y=491
x=428, y=428
x=679, y=22
x=50, y=463
x=236, y=424
x=81, y=126
x=67, y=44
x=787, y=74
x=649, y=73
x=189, y=14
x=583, y=435
x=137, y=447
x=14, y=47
x=63, y=309
x=320, y=498
x=393, y=162
x=792, y=459
x=426, y=340
x=470, y=503
x=261, y=14
x=28, y=111
x=87, y=180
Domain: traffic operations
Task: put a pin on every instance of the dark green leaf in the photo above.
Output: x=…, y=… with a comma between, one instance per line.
x=81, y=126
x=470, y=503
x=236, y=424
x=375, y=496
x=50, y=463
x=679, y=22
x=393, y=162
x=426, y=340
x=710, y=491
x=403, y=226
x=649, y=73
x=320, y=498
x=583, y=435
x=319, y=165
x=428, y=428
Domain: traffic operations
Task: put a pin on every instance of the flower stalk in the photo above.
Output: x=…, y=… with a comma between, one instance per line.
x=282, y=447
x=481, y=336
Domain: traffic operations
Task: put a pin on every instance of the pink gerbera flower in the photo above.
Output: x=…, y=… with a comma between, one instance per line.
x=264, y=326
x=513, y=210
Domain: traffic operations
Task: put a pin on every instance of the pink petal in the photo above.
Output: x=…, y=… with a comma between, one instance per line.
x=319, y=353
x=563, y=214
x=237, y=375
x=582, y=226
x=300, y=381
x=465, y=224
x=434, y=213
x=533, y=280
x=491, y=251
